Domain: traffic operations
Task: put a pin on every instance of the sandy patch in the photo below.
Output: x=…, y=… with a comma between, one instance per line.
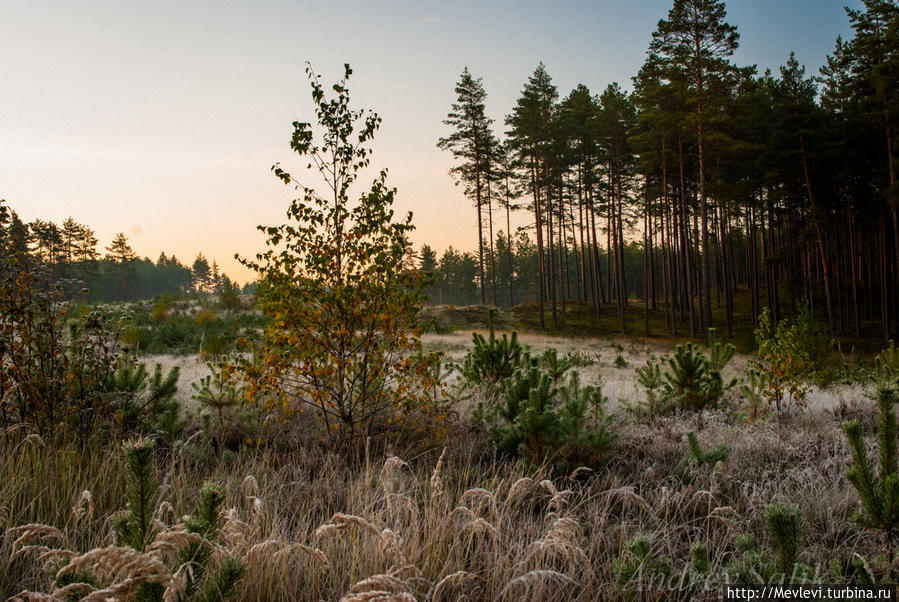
x=619, y=384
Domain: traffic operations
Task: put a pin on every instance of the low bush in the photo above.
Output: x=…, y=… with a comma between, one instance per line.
x=692, y=381
x=537, y=420
x=790, y=356
x=491, y=359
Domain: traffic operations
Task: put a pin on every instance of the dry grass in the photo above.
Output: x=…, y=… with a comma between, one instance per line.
x=620, y=383
x=448, y=525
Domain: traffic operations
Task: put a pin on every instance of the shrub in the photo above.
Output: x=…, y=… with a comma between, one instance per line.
x=229, y=296
x=145, y=404
x=206, y=317
x=785, y=528
x=537, y=421
x=554, y=365
x=160, y=311
x=693, y=381
x=224, y=397
x=491, y=360
x=789, y=355
x=637, y=565
x=650, y=378
x=580, y=359
x=62, y=383
x=780, y=564
x=752, y=389
x=342, y=337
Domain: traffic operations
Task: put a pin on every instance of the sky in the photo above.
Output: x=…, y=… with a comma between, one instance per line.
x=162, y=119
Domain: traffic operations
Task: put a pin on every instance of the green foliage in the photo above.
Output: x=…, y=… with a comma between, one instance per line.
x=160, y=311
x=693, y=381
x=60, y=383
x=747, y=566
x=785, y=529
x=491, y=360
x=789, y=355
x=886, y=364
x=699, y=558
x=719, y=453
x=780, y=564
x=752, y=389
x=537, y=421
x=222, y=395
x=223, y=583
x=182, y=332
x=879, y=493
x=205, y=522
x=637, y=565
x=620, y=362
x=650, y=378
x=135, y=527
x=555, y=366
x=342, y=306
x=217, y=392
x=229, y=296
x=580, y=359
x=719, y=354
x=145, y=404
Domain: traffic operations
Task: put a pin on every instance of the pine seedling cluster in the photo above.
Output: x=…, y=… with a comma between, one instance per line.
x=492, y=359
x=135, y=527
x=693, y=381
x=779, y=564
x=146, y=403
x=637, y=564
x=537, y=420
x=637, y=569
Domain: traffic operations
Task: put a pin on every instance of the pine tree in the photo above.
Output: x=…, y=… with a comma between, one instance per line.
x=617, y=119
x=120, y=253
x=428, y=267
x=696, y=40
x=529, y=138
x=470, y=142
x=201, y=273
x=879, y=493
x=579, y=114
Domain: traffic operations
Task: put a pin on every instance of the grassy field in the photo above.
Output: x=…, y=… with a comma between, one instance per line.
x=444, y=525
x=456, y=521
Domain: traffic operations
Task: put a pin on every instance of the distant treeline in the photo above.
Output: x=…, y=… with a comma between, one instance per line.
x=67, y=256
x=455, y=273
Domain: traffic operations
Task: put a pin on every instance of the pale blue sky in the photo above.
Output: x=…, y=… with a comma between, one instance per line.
x=162, y=119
